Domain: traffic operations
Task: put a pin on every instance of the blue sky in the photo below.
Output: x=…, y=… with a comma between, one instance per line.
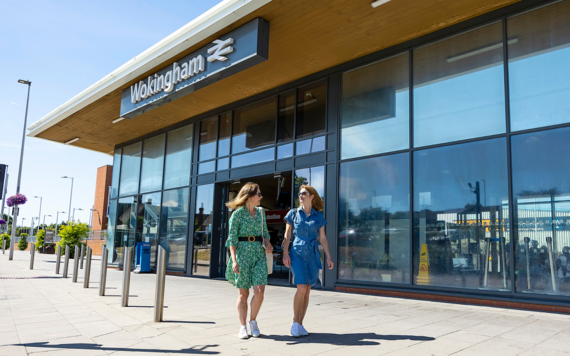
x=63, y=47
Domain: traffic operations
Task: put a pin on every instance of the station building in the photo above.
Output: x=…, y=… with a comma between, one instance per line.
x=437, y=133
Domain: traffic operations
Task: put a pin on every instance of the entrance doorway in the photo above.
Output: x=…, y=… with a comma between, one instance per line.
x=276, y=202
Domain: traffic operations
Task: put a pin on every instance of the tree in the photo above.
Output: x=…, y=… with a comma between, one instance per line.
x=5, y=237
x=40, y=239
x=23, y=243
x=71, y=235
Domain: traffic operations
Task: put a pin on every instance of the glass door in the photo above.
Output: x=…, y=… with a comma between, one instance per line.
x=125, y=235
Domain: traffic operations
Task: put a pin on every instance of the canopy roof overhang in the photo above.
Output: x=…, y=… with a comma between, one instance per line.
x=306, y=37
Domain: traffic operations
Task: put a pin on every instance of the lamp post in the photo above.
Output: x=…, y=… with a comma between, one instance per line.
x=57, y=220
x=40, y=215
x=70, y=196
x=44, y=223
x=73, y=216
x=15, y=219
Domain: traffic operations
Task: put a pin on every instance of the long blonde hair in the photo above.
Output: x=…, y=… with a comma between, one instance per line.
x=318, y=203
x=246, y=192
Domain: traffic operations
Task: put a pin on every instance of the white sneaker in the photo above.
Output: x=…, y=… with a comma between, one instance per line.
x=295, y=330
x=243, y=332
x=303, y=331
x=254, y=329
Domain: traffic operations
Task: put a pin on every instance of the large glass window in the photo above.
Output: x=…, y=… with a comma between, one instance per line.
x=178, y=157
x=254, y=126
x=152, y=164
x=130, y=169
x=111, y=231
x=203, y=230
x=461, y=235
x=539, y=75
x=311, y=109
x=225, y=132
x=376, y=108
x=208, y=137
x=311, y=145
x=150, y=223
x=174, y=226
x=313, y=176
x=459, y=87
x=247, y=159
x=374, y=220
x=125, y=233
x=116, y=173
x=541, y=189
x=286, y=118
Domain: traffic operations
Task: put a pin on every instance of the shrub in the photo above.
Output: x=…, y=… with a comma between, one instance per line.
x=23, y=234
x=40, y=239
x=23, y=243
x=71, y=235
x=5, y=237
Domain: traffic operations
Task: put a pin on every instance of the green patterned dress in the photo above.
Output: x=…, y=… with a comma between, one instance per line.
x=250, y=255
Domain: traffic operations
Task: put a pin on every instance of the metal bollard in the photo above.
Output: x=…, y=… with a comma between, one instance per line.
x=549, y=244
x=87, y=268
x=57, y=259
x=75, y=264
x=103, y=279
x=160, y=280
x=33, y=250
x=126, y=278
x=66, y=262
x=82, y=256
x=3, y=246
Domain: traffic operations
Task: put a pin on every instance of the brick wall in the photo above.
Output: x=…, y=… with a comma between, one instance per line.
x=104, y=176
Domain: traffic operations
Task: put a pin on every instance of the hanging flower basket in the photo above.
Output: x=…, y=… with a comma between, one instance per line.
x=2, y=221
x=19, y=199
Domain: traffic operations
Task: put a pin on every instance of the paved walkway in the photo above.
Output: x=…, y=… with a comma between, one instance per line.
x=44, y=314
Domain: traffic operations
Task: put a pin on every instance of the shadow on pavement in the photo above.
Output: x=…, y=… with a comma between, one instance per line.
x=188, y=322
x=83, y=346
x=358, y=339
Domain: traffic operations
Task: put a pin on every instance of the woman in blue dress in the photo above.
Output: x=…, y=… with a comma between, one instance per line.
x=305, y=226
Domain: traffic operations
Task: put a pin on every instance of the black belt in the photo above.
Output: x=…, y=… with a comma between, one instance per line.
x=251, y=238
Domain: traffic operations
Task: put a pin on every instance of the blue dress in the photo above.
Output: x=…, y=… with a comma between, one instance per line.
x=304, y=253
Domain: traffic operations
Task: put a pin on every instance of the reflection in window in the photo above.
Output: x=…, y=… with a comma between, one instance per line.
x=174, y=226
x=116, y=172
x=539, y=75
x=203, y=230
x=312, y=145
x=253, y=157
x=314, y=176
x=130, y=168
x=461, y=233
x=178, y=157
x=125, y=233
x=374, y=220
x=254, y=126
x=286, y=118
x=207, y=167
x=111, y=231
x=541, y=189
x=459, y=87
x=223, y=164
x=225, y=131
x=150, y=222
x=152, y=163
x=208, y=136
x=376, y=108
x=285, y=151
x=311, y=109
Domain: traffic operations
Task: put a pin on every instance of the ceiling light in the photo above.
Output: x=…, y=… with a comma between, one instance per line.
x=119, y=119
x=377, y=3
x=480, y=50
x=71, y=141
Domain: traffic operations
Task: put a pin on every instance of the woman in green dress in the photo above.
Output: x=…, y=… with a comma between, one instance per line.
x=248, y=241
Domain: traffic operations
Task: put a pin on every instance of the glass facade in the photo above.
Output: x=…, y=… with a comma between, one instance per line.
x=423, y=167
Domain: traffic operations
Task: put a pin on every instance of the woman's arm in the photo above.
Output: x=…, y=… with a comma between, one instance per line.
x=286, y=241
x=325, y=244
x=266, y=237
x=235, y=265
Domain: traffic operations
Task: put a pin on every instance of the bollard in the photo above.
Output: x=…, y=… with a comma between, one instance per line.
x=81, y=256
x=33, y=249
x=549, y=243
x=126, y=277
x=75, y=264
x=57, y=259
x=526, y=244
x=3, y=246
x=66, y=262
x=160, y=279
x=87, y=268
x=103, y=279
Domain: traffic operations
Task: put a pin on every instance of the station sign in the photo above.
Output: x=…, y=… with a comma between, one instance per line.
x=238, y=50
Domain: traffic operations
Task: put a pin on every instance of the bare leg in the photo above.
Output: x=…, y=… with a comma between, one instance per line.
x=256, y=301
x=299, y=302
x=242, y=305
x=305, y=304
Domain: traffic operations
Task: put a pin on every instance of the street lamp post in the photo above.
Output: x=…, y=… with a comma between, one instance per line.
x=73, y=216
x=40, y=215
x=70, y=196
x=15, y=219
x=44, y=223
x=57, y=220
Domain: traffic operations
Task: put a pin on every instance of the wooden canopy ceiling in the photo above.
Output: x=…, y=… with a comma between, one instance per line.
x=305, y=37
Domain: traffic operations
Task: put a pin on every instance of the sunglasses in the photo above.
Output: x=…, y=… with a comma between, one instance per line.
x=302, y=193
x=259, y=194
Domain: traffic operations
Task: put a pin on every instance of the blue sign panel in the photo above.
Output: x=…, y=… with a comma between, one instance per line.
x=230, y=54
x=142, y=260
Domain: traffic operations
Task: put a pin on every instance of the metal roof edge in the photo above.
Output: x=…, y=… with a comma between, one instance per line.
x=217, y=18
